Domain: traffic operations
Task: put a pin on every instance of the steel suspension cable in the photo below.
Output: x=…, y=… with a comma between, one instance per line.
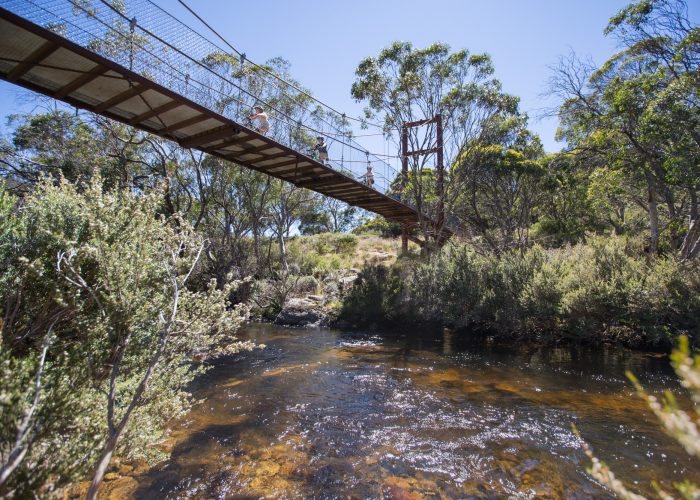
x=184, y=4
x=282, y=113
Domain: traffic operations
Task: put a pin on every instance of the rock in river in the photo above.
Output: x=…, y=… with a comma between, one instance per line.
x=301, y=312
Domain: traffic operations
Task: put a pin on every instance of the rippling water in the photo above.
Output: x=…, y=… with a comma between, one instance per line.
x=326, y=414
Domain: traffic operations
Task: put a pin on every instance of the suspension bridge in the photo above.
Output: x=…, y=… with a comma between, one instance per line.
x=137, y=64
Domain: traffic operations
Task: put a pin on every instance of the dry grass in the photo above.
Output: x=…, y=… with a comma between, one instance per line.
x=323, y=253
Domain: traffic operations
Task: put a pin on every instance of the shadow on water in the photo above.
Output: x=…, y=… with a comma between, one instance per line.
x=323, y=413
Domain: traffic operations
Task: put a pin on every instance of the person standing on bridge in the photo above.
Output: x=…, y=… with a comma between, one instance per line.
x=321, y=149
x=260, y=121
x=369, y=176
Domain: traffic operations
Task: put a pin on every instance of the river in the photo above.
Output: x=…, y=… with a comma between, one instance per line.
x=329, y=414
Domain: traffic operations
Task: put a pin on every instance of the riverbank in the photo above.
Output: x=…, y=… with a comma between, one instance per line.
x=604, y=291
x=322, y=270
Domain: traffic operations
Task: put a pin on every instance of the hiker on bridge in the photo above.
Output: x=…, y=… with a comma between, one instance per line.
x=369, y=176
x=259, y=120
x=321, y=149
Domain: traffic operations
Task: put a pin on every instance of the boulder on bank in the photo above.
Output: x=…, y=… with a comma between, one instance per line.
x=378, y=257
x=301, y=312
x=348, y=281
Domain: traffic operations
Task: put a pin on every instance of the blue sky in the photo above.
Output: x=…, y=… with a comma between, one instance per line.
x=324, y=40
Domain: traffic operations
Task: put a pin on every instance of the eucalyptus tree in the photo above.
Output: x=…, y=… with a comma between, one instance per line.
x=501, y=182
x=325, y=214
x=229, y=222
x=406, y=84
x=287, y=205
x=639, y=114
x=56, y=144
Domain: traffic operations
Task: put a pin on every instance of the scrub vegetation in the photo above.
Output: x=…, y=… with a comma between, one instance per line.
x=128, y=264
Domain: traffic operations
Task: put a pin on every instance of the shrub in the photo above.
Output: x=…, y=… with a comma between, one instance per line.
x=594, y=292
x=326, y=243
x=345, y=243
x=100, y=331
x=380, y=227
x=326, y=264
x=306, y=285
x=321, y=254
x=373, y=298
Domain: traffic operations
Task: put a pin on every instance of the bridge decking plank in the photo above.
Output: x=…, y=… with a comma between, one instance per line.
x=163, y=108
x=44, y=51
x=82, y=80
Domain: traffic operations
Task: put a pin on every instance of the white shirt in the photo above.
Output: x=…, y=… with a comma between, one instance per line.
x=260, y=120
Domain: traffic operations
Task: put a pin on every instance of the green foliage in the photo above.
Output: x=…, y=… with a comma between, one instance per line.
x=635, y=122
x=373, y=297
x=93, y=292
x=321, y=265
x=498, y=182
x=380, y=227
x=322, y=253
x=57, y=144
x=334, y=243
x=600, y=291
x=306, y=285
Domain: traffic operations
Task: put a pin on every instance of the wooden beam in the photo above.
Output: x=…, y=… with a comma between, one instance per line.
x=368, y=200
x=186, y=123
x=46, y=49
x=81, y=81
x=361, y=187
x=322, y=181
x=357, y=198
x=422, y=152
x=271, y=168
x=168, y=106
x=418, y=123
x=348, y=198
x=345, y=189
x=274, y=156
x=258, y=150
x=119, y=98
x=295, y=171
x=376, y=203
x=208, y=136
x=233, y=142
x=236, y=156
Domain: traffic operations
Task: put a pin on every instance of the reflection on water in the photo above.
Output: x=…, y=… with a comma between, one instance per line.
x=329, y=414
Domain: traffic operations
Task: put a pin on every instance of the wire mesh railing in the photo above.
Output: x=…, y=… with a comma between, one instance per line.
x=141, y=36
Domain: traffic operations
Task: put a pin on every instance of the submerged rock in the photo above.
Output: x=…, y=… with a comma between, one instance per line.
x=301, y=312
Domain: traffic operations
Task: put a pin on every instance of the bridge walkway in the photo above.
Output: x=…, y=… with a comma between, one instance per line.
x=41, y=60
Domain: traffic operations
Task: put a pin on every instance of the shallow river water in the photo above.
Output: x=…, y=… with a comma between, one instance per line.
x=331, y=414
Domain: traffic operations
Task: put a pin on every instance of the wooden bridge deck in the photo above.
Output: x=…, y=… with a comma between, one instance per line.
x=43, y=61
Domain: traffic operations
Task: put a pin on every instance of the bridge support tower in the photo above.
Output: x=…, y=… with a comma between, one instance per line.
x=406, y=231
